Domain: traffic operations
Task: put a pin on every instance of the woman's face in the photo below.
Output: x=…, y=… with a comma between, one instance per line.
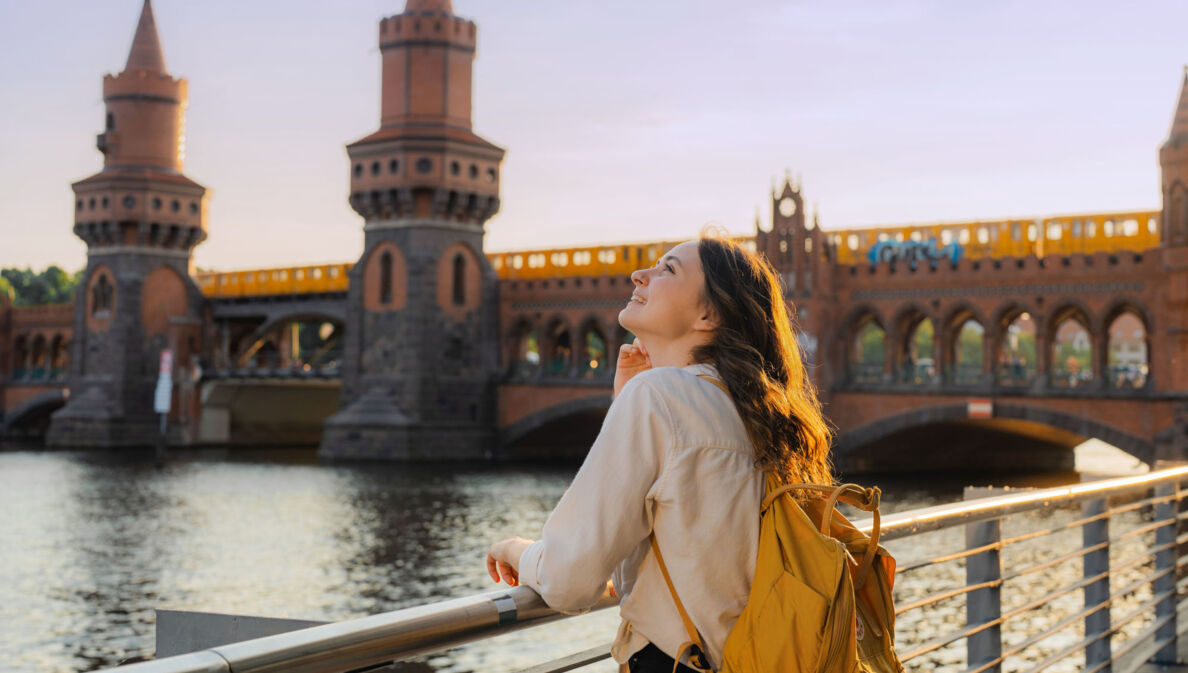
x=668, y=300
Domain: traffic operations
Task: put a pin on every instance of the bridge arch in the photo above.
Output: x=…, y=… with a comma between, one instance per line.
x=523, y=348
x=1071, y=338
x=865, y=345
x=1031, y=426
x=557, y=352
x=265, y=340
x=1124, y=358
x=563, y=430
x=594, y=349
x=912, y=336
x=1014, y=338
x=963, y=338
x=33, y=412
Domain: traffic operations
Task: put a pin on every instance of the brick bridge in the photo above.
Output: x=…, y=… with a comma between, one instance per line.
x=1000, y=342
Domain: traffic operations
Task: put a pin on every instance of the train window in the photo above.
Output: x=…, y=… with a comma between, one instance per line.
x=915, y=235
x=852, y=241
x=1016, y=231
x=560, y=258
x=1054, y=231
x=497, y=261
x=963, y=237
x=899, y=236
x=581, y=257
x=1032, y=232
x=606, y=256
x=517, y=262
x=1107, y=229
x=299, y=274
x=983, y=235
x=316, y=273
x=1152, y=225
x=883, y=236
x=333, y=272
x=1090, y=229
x=1130, y=227
x=1076, y=228
x=946, y=236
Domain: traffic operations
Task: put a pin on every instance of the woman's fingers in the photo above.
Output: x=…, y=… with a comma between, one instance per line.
x=509, y=575
x=492, y=568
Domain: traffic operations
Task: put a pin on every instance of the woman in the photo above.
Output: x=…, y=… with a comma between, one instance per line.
x=679, y=458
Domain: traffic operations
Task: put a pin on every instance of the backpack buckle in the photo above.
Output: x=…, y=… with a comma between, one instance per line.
x=697, y=658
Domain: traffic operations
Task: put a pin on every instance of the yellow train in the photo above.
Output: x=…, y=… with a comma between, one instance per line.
x=315, y=279
x=1015, y=237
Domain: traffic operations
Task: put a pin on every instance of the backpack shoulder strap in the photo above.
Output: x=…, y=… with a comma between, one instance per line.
x=694, y=645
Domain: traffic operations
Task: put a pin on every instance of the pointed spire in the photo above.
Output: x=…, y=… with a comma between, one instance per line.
x=146, y=45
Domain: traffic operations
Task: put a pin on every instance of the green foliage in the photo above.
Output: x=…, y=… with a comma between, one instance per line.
x=51, y=286
x=969, y=344
x=870, y=345
x=922, y=340
x=6, y=289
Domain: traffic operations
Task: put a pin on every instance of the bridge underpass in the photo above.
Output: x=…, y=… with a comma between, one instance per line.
x=261, y=411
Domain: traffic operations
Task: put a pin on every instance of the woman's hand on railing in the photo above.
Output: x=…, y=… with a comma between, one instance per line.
x=633, y=359
x=503, y=560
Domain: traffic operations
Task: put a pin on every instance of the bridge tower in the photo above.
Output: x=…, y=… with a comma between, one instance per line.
x=1173, y=165
x=421, y=340
x=800, y=252
x=140, y=218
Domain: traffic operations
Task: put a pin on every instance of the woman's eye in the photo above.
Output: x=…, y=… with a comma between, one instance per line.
x=668, y=267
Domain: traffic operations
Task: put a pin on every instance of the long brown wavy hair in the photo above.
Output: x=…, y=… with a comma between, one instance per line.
x=755, y=352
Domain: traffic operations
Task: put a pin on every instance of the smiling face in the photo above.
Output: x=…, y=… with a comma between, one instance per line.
x=668, y=302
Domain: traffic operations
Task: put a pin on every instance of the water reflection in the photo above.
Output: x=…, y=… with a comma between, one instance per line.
x=91, y=543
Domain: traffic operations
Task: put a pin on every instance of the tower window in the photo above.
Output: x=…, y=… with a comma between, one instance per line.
x=193, y=208
x=358, y=170
x=455, y=168
x=393, y=166
x=459, y=279
x=424, y=165
x=491, y=175
x=79, y=205
x=375, y=168
x=110, y=122
x=105, y=202
x=473, y=171
x=101, y=297
x=156, y=203
x=91, y=204
x=175, y=205
x=386, y=278
x=129, y=201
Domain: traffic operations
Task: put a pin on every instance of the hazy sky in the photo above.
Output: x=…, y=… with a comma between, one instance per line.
x=624, y=120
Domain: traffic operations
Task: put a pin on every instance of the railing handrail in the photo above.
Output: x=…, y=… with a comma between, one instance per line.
x=400, y=634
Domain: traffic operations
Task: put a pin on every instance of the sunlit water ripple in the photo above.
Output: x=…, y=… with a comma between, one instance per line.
x=90, y=544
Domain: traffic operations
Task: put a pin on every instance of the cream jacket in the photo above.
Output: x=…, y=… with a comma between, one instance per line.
x=672, y=457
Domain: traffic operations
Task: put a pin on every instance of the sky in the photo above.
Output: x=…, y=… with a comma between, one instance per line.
x=623, y=120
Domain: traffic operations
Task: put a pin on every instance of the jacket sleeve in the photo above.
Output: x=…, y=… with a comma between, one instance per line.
x=606, y=512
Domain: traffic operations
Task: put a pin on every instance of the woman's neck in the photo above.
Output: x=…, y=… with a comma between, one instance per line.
x=677, y=353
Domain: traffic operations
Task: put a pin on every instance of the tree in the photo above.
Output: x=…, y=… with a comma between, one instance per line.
x=51, y=286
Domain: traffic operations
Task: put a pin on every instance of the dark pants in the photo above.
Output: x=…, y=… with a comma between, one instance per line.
x=652, y=659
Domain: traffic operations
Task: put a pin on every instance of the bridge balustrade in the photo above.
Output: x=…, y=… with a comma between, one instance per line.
x=1083, y=577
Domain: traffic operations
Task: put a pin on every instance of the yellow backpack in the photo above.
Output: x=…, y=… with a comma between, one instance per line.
x=821, y=596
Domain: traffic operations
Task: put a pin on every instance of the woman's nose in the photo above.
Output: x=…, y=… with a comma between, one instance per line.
x=639, y=276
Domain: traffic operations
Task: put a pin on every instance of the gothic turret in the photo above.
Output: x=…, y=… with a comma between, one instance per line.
x=140, y=218
x=420, y=352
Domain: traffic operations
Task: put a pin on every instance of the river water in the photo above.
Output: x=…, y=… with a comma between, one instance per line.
x=91, y=543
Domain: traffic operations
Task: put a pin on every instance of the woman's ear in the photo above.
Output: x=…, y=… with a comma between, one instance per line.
x=708, y=321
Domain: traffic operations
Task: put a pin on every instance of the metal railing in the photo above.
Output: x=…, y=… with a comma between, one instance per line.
x=1127, y=615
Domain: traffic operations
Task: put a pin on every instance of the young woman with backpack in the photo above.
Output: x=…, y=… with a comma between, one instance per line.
x=710, y=402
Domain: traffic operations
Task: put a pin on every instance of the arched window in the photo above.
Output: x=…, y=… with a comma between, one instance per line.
x=967, y=353
x=1126, y=356
x=918, y=366
x=561, y=353
x=38, y=358
x=20, y=358
x=459, y=293
x=101, y=294
x=869, y=353
x=1016, y=353
x=386, y=278
x=1072, y=355
x=58, y=352
x=593, y=362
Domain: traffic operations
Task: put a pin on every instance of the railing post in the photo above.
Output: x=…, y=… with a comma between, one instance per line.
x=1165, y=562
x=1097, y=562
x=983, y=605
